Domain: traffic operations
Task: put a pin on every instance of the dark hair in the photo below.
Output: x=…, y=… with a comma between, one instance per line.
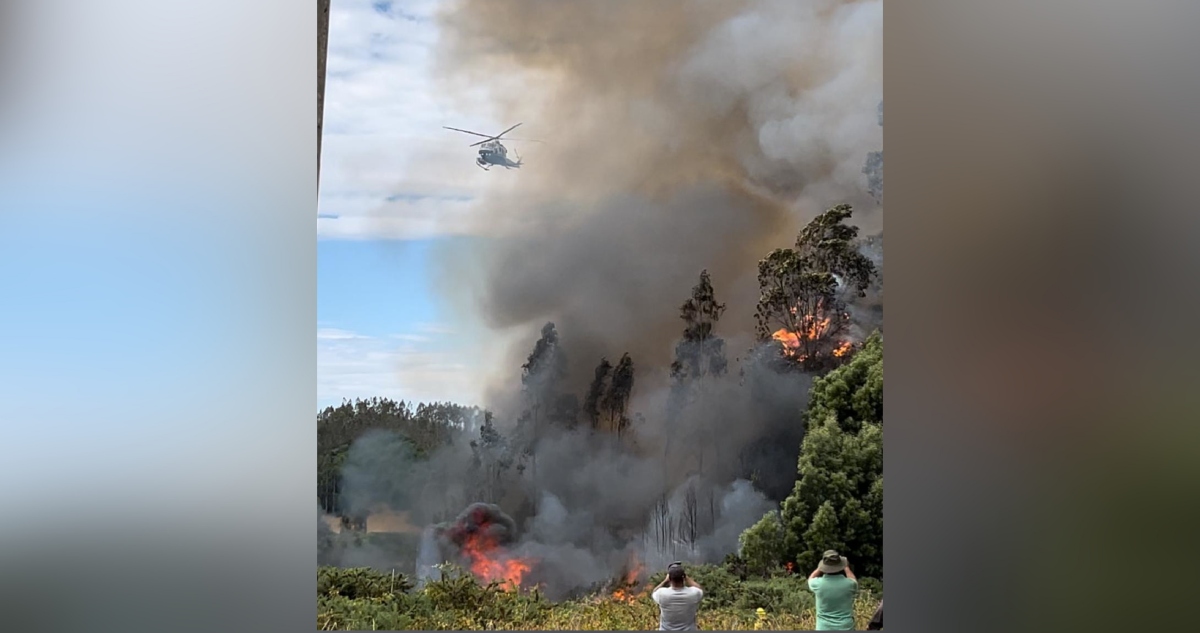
x=675, y=573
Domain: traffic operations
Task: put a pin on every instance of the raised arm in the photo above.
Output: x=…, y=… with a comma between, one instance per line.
x=815, y=574
x=850, y=574
x=692, y=583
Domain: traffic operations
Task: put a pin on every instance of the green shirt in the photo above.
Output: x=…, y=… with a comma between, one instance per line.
x=835, y=602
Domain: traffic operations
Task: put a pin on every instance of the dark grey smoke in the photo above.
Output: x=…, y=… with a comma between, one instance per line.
x=483, y=521
x=867, y=312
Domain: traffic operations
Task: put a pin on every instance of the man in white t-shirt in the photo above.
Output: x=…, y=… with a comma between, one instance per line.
x=678, y=598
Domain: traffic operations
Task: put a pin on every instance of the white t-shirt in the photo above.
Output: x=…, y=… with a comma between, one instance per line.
x=677, y=607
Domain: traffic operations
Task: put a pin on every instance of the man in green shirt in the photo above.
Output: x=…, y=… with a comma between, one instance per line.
x=834, y=586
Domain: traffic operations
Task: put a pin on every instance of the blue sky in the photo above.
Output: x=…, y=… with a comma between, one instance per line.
x=393, y=185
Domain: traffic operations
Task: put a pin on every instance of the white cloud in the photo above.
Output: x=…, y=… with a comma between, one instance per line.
x=334, y=334
x=404, y=366
x=412, y=338
x=383, y=130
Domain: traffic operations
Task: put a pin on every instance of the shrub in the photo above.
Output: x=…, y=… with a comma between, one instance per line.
x=360, y=582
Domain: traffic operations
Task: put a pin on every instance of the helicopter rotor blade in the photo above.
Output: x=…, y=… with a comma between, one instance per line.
x=467, y=132
x=487, y=138
x=508, y=130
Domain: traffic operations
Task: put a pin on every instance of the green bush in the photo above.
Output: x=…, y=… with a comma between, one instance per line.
x=360, y=582
x=762, y=544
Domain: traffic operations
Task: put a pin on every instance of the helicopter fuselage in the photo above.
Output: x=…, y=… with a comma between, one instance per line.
x=491, y=150
x=494, y=153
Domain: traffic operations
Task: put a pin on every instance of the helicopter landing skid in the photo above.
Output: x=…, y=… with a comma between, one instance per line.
x=481, y=166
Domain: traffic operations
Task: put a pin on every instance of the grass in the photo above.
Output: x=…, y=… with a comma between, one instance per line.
x=361, y=599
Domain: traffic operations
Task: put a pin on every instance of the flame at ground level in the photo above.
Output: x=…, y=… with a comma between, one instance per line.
x=633, y=574
x=490, y=563
x=624, y=595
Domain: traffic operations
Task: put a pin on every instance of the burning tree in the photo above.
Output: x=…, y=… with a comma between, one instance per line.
x=805, y=292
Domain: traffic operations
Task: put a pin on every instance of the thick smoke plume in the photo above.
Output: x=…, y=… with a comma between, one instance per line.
x=680, y=136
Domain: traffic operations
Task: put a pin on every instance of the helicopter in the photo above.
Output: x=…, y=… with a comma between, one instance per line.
x=492, y=151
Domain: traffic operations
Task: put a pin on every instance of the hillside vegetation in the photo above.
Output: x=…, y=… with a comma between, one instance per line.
x=362, y=599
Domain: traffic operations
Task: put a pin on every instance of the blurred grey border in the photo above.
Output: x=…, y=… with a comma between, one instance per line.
x=1042, y=253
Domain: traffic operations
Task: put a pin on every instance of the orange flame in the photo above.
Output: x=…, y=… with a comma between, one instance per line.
x=635, y=570
x=623, y=595
x=629, y=581
x=809, y=329
x=490, y=564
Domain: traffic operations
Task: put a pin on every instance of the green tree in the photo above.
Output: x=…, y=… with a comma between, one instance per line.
x=854, y=394
x=761, y=545
x=837, y=502
x=424, y=427
x=805, y=292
